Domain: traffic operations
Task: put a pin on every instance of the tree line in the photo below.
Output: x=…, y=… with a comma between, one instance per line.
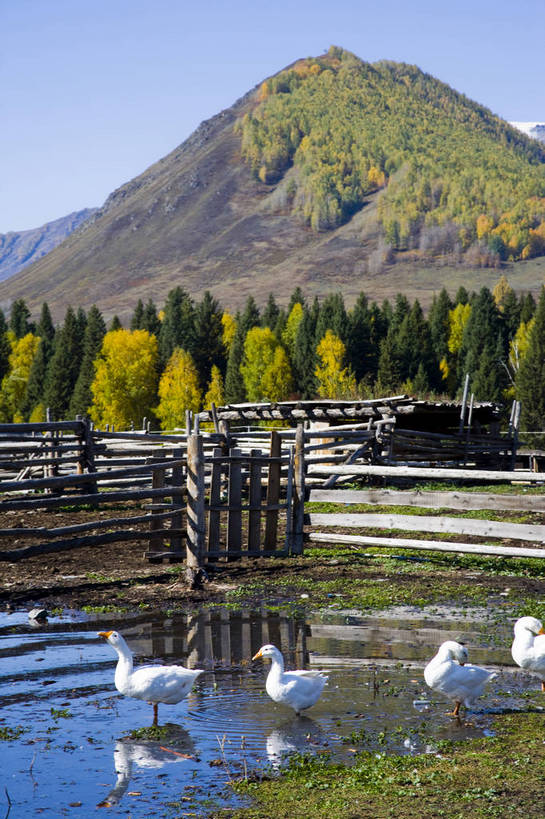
x=190, y=354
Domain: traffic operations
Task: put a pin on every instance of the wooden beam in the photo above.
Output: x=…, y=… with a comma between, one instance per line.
x=462, y=501
x=426, y=545
x=437, y=473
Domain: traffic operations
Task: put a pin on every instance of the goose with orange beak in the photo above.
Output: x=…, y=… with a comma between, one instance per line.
x=298, y=689
x=528, y=649
x=152, y=683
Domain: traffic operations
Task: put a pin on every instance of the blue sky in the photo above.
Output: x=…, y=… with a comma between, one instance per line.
x=95, y=92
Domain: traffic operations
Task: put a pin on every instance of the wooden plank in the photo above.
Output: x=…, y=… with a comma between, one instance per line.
x=297, y=545
x=14, y=555
x=196, y=522
x=254, y=497
x=436, y=473
x=41, y=426
x=42, y=502
x=234, y=493
x=289, y=501
x=177, y=505
x=214, y=505
x=61, y=531
x=427, y=545
x=431, y=500
x=273, y=493
x=427, y=523
x=78, y=480
x=155, y=522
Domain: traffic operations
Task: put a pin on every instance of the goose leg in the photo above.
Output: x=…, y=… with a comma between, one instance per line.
x=542, y=685
x=155, y=711
x=456, y=712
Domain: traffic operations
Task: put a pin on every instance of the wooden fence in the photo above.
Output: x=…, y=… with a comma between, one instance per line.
x=224, y=502
x=226, y=494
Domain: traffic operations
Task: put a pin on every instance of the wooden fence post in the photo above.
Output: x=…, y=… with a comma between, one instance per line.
x=254, y=497
x=177, y=503
x=215, y=500
x=156, y=544
x=299, y=492
x=273, y=493
x=196, y=520
x=234, y=500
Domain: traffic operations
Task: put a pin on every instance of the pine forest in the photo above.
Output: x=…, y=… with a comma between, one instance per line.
x=187, y=355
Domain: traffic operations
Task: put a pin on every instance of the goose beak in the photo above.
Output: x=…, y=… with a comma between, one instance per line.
x=258, y=655
x=104, y=634
x=541, y=631
x=462, y=662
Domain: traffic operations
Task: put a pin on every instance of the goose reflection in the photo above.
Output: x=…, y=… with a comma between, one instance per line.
x=146, y=754
x=294, y=736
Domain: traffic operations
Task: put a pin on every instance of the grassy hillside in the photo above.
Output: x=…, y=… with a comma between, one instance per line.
x=334, y=174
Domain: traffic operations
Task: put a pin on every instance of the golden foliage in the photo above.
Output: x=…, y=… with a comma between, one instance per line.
x=178, y=390
x=125, y=383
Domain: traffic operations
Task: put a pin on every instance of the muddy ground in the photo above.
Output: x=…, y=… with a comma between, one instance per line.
x=120, y=575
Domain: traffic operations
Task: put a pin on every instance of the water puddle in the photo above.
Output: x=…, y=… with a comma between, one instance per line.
x=66, y=730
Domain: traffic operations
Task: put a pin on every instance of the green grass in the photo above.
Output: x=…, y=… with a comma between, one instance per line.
x=494, y=777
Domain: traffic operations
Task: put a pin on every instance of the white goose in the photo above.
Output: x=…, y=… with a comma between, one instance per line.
x=298, y=689
x=153, y=683
x=448, y=674
x=528, y=647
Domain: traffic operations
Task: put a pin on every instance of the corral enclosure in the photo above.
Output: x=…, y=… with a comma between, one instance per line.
x=234, y=491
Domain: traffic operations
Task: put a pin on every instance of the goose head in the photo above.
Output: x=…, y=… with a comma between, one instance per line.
x=454, y=651
x=528, y=624
x=269, y=651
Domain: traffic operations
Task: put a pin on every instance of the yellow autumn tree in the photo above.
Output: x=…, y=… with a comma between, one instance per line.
x=458, y=318
x=501, y=291
x=265, y=368
x=215, y=394
x=289, y=333
x=125, y=385
x=277, y=380
x=15, y=382
x=334, y=380
x=178, y=390
x=229, y=329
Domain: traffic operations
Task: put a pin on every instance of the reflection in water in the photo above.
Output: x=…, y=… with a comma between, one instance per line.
x=145, y=754
x=298, y=735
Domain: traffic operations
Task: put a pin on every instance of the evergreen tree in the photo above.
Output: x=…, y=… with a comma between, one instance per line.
x=462, y=296
x=490, y=377
x=527, y=308
x=438, y=320
x=5, y=347
x=250, y=316
x=19, y=317
x=401, y=310
x=63, y=368
x=412, y=344
x=511, y=311
x=95, y=331
x=115, y=324
x=178, y=326
x=530, y=383
x=138, y=316
x=481, y=333
x=209, y=349
x=304, y=357
x=332, y=317
x=387, y=314
x=281, y=323
x=150, y=319
x=359, y=352
x=270, y=313
x=389, y=371
x=81, y=324
x=296, y=298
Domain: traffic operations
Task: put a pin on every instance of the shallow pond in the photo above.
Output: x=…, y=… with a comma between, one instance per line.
x=65, y=730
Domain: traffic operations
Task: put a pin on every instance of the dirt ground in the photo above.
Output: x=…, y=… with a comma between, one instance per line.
x=120, y=575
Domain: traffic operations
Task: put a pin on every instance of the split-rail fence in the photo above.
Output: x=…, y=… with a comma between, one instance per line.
x=214, y=496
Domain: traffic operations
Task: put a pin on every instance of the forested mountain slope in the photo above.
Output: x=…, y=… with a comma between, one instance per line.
x=334, y=174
